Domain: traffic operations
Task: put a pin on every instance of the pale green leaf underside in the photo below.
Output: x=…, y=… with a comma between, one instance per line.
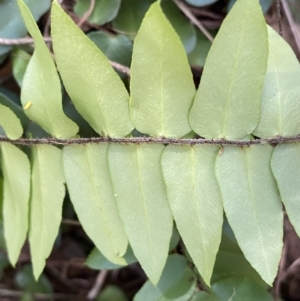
x=10, y=123
x=142, y=202
x=280, y=103
x=285, y=165
x=93, y=197
x=41, y=91
x=95, y=88
x=162, y=87
x=195, y=201
x=16, y=190
x=47, y=195
x=227, y=104
x=177, y=282
x=252, y=205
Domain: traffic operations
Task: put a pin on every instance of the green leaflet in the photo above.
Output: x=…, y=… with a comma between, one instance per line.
x=285, y=164
x=178, y=282
x=142, y=202
x=47, y=195
x=280, y=104
x=96, y=90
x=41, y=91
x=162, y=87
x=252, y=205
x=227, y=103
x=16, y=190
x=10, y=123
x=92, y=194
x=13, y=104
x=195, y=201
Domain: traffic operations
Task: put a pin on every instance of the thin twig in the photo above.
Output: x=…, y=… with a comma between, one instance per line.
x=22, y=41
x=61, y=277
x=46, y=30
x=87, y=13
x=288, y=14
x=278, y=16
x=5, y=293
x=120, y=67
x=185, y=9
x=94, y=292
x=152, y=140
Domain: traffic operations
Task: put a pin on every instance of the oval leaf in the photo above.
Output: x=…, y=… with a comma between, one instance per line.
x=204, y=296
x=200, y=2
x=41, y=91
x=104, y=10
x=162, y=87
x=265, y=4
x=92, y=194
x=24, y=280
x=117, y=48
x=142, y=203
x=183, y=27
x=96, y=90
x=285, y=165
x=178, y=282
x=16, y=190
x=280, y=104
x=112, y=293
x=97, y=261
x=190, y=177
x=10, y=123
x=47, y=195
x=252, y=205
x=11, y=23
x=237, y=289
x=237, y=63
x=130, y=16
x=197, y=56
